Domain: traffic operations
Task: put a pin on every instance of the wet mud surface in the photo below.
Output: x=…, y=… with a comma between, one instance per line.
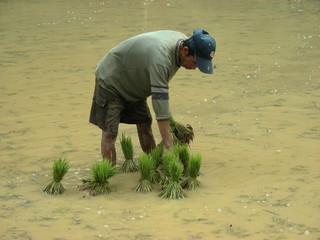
x=256, y=121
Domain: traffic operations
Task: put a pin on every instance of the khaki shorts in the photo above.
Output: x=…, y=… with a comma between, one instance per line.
x=108, y=110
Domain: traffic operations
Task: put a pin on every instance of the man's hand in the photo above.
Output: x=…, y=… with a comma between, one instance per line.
x=164, y=129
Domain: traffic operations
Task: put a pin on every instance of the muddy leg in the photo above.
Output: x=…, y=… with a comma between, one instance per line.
x=108, y=149
x=146, y=137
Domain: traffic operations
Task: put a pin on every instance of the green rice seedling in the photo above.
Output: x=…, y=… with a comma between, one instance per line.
x=182, y=151
x=146, y=167
x=156, y=156
x=182, y=134
x=157, y=153
x=59, y=169
x=191, y=182
x=173, y=189
x=166, y=159
x=99, y=182
x=127, y=148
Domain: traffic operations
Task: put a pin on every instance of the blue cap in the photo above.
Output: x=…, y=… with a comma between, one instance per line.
x=204, y=47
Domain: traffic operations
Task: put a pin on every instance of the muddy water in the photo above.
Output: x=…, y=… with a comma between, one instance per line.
x=256, y=120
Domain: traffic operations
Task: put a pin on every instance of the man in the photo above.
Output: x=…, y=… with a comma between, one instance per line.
x=140, y=67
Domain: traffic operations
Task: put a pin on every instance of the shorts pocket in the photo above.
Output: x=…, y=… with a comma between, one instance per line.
x=100, y=96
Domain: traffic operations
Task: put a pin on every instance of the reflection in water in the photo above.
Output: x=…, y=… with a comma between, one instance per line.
x=256, y=120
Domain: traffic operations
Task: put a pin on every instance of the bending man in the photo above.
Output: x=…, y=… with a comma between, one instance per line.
x=140, y=67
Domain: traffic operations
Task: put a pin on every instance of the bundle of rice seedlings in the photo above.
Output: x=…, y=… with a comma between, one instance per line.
x=182, y=151
x=156, y=156
x=146, y=167
x=127, y=148
x=191, y=182
x=59, y=169
x=157, y=153
x=173, y=189
x=166, y=159
x=99, y=182
x=182, y=134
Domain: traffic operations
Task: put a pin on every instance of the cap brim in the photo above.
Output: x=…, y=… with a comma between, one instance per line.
x=204, y=65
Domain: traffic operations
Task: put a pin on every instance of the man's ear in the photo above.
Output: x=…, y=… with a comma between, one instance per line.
x=185, y=50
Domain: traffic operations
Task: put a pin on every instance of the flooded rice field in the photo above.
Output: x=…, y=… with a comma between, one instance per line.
x=256, y=121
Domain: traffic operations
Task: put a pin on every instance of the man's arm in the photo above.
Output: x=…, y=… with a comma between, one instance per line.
x=164, y=129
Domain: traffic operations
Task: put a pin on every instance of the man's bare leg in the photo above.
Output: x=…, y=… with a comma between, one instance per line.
x=146, y=137
x=108, y=149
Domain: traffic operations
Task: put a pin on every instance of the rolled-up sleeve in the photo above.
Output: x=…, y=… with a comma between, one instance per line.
x=160, y=92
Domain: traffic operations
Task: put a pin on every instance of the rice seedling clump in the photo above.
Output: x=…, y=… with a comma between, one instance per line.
x=59, y=169
x=191, y=182
x=99, y=182
x=166, y=159
x=146, y=168
x=156, y=156
x=173, y=168
x=182, y=134
x=127, y=148
x=182, y=151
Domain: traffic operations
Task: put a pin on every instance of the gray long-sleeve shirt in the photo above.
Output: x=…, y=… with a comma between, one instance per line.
x=142, y=66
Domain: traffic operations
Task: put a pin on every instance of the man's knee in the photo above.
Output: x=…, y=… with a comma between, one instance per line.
x=109, y=137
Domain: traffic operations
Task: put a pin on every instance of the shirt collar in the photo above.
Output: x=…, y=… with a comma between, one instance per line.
x=177, y=52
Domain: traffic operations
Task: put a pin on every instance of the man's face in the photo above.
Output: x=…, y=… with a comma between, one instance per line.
x=188, y=62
